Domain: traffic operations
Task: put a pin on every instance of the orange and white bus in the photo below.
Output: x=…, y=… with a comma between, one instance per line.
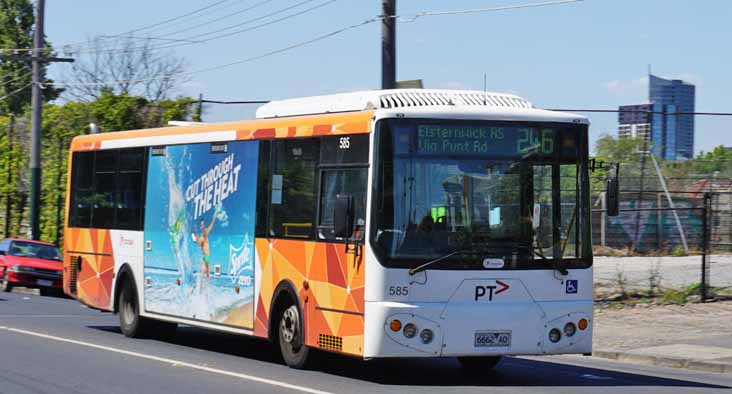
x=398, y=223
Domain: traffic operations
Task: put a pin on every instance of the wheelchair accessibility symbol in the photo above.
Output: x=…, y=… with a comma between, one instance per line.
x=571, y=286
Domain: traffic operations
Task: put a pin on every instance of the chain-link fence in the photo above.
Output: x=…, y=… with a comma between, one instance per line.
x=670, y=233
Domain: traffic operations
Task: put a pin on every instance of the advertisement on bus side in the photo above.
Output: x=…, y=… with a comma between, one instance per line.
x=199, y=232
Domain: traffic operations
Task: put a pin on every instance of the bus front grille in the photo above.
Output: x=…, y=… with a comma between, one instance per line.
x=330, y=342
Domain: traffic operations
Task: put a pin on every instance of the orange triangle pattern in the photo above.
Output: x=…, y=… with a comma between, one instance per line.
x=94, y=279
x=335, y=281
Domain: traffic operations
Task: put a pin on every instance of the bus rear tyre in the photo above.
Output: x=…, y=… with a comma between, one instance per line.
x=479, y=364
x=290, y=337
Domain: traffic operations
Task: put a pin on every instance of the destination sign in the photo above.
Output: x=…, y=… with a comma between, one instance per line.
x=500, y=141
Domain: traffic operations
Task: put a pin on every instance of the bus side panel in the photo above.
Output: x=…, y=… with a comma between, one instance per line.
x=332, y=303
x=199, y=232
x=89, y=266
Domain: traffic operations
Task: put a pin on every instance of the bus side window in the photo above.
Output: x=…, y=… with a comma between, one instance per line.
x=351, y=181
x=105, y=187
x=82, y=177
x=293, y=188
x=263, y=182
x=130, y=185
x=108, y=189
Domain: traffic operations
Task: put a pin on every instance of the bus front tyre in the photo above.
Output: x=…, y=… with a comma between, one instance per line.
x=290, y=337
x=479, y=364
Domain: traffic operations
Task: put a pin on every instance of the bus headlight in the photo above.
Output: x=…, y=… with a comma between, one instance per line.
x=426, y=335
x=555, y=335
x=410, y=330
x=570, y=329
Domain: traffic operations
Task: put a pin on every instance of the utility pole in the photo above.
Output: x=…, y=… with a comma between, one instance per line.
x=198, y=113
x=37, y=108
x=37, y=58
x=388, y=44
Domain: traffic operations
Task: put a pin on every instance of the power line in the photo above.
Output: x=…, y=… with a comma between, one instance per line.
x=255, y=5
x=481, y=10
x=26, y=75
x=183, y=22
x=410, y=18
x=200, y=38
x=218, y=67
x=148, y=27
x=16, y=91
x=235, y=102
x=92, y=49
x=641, y=112
x=291, y=47
x=177, y=17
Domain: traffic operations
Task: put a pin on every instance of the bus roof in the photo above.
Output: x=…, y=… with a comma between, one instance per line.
x=303, y=126
x=388, y=99
x=344, y=113
x=420, y=103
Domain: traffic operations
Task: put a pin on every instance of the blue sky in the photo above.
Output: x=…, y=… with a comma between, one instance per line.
x=592, y=54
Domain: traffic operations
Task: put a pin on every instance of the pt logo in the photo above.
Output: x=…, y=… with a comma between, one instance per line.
x=490, y=291
x=571, y=286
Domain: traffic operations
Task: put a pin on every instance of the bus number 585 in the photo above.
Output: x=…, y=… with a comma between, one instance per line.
x=345, y=143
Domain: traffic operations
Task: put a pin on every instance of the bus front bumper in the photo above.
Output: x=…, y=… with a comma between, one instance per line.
x=448, y=329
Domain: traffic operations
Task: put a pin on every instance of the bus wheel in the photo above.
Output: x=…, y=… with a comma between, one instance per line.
x=131, y=323
x=290, y=338
x=5, y=284
x=479, y=364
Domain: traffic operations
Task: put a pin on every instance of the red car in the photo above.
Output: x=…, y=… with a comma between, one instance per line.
x=29, y=263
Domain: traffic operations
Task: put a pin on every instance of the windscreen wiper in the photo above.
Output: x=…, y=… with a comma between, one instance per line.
x=437, y=260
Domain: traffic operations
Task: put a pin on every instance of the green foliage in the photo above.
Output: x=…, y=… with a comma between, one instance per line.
x=60, y=124
x=16, y=31
x=618, y=150
x=674, y=296
x=682, y=296
x=678, y=251
x=622, y=150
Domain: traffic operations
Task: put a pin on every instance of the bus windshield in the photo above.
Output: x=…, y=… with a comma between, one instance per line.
x=481, y=195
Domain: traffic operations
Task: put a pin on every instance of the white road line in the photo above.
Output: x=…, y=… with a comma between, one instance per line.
x=169, y=361
x=17, y=315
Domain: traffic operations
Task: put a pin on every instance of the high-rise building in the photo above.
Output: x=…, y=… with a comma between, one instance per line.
x=670, y=135
x=655, y=123
x=682, y=95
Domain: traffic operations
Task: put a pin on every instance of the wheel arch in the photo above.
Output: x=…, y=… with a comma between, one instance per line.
x=285, y=289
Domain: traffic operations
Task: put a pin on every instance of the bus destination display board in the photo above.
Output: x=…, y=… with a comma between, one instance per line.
x=502, y=141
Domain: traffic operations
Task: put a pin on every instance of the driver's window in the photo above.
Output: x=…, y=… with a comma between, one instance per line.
x=569, y=223
x=351, y=181
x=541, y=211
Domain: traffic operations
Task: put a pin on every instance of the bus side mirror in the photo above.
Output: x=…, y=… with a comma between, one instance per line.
x=343, y=216
x=612, y=195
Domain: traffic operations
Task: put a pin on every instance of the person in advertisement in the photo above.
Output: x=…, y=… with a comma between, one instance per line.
x=202, y=241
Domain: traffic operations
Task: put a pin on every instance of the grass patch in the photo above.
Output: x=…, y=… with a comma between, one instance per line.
x=659, y=296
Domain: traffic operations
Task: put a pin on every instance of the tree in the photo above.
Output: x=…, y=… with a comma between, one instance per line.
x=614, y=149
x=112, y=112
x=16, y=31
x=125, y=65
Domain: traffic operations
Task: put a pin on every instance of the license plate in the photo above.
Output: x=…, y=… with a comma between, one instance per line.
x=43, y=282
x=493, y=339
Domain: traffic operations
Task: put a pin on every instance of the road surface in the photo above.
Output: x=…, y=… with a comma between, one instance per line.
x=54, y=345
